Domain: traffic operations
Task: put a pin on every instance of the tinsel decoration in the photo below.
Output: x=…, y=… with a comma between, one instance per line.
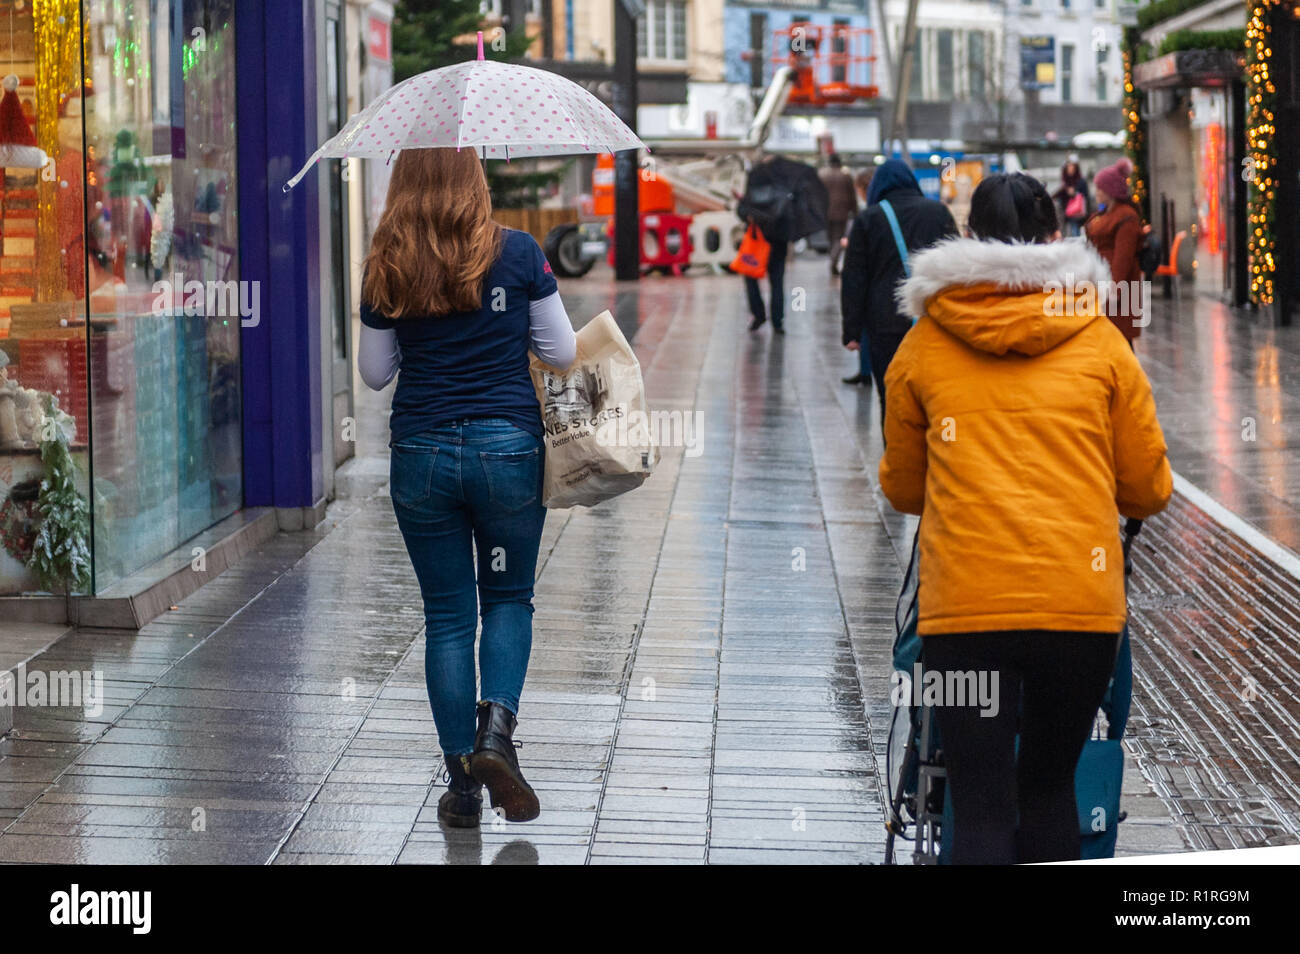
x=56, y=24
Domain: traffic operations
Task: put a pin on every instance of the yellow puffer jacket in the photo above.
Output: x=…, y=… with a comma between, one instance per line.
x=1020, y=425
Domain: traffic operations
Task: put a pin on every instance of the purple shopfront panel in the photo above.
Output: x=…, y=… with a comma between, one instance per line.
x=279, y=238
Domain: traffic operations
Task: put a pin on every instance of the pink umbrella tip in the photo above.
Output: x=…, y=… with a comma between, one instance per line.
x=480, y=44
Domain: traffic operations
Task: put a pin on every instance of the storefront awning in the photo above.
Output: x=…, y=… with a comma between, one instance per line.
x=1190, y=68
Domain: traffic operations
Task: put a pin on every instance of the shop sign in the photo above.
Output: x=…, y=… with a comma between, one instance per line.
x=379, y=39
x=1037, y=62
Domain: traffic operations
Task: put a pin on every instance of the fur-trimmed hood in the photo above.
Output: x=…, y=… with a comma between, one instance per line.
x=1001, y=297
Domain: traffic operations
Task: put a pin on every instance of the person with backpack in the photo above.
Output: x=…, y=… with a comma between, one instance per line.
x=1116, y=232
x=454, y=302
x=1021, y=431
x=897, y=221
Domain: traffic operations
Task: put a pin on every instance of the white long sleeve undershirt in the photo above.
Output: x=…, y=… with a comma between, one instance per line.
x=378, y=356
x=550, y=333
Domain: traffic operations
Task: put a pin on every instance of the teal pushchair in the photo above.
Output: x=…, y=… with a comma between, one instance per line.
x=920, y=810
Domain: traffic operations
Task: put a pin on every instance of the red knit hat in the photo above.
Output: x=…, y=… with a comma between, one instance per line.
x=18, y=149
x=1113, y=180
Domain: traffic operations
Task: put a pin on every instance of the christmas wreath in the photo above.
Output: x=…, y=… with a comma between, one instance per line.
x=19, y=520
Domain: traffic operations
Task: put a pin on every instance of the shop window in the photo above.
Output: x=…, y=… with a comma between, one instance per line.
x=915, y=85
x=120, y=296
x=943, y=49
x=1067, y=73
x=44, y=404
x=757, y=49
x=977, y=65
x=661, y=31
x=839, y=47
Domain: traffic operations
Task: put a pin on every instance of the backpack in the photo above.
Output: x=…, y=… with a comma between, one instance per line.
x=1150, y=255
x=771, y=209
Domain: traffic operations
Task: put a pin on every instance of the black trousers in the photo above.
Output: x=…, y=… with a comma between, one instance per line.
x=775, y=275
x=1011, y=807
x=835, y=229
x=883, y=346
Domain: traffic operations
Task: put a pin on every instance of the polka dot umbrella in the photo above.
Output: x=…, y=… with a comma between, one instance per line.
x=500, y=110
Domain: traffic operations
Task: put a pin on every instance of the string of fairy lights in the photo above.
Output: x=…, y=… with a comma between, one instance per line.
x=1261, y=100
x=1135, y=146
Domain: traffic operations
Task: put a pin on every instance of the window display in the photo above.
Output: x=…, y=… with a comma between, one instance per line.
x=122, y=192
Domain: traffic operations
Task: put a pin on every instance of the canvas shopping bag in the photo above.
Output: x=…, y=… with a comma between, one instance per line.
x=597, y=428
x=751, y=258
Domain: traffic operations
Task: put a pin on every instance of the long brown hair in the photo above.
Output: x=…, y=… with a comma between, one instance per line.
x=436, y=240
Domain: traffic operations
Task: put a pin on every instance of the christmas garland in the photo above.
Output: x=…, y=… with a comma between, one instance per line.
x=1261, y=99
x=1135, y=126
x=18, y=527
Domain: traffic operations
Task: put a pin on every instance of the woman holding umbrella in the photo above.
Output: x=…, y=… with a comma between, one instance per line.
x=455, y=302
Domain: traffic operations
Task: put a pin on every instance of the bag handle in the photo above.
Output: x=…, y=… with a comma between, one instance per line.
x=898, y=239
x=898, y=235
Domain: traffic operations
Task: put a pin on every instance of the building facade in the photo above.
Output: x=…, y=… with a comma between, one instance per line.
x=1009, y=71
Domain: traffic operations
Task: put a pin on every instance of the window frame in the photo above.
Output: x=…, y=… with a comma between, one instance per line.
x=647, y=36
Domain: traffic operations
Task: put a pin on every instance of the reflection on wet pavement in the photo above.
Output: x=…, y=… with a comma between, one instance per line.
x=1228, y=389
x=709, y=679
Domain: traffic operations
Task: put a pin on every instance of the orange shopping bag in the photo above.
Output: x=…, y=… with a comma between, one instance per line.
x=751, y=259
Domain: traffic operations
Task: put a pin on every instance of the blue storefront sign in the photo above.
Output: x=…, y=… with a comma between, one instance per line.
x=1037, y=62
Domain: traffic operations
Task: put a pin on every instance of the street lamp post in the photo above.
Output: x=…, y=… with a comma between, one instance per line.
x=903, y=81
x=627, y=239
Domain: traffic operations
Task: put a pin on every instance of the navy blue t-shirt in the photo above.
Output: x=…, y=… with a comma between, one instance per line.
x=473, y=364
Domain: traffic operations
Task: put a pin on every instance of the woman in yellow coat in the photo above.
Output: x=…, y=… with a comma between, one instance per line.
x=1021, y=427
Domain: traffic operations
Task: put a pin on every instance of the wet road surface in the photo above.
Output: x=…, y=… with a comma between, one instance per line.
x=709, y=679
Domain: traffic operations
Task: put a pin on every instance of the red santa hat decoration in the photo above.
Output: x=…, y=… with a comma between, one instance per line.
x=18, y=149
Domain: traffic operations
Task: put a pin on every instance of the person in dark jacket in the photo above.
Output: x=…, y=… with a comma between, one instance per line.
x=873, y=267
x=842, y=207
x=768, y=203
x=861, y=185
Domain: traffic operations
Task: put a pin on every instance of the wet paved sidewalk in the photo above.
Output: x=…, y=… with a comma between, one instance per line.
x=709, y=679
